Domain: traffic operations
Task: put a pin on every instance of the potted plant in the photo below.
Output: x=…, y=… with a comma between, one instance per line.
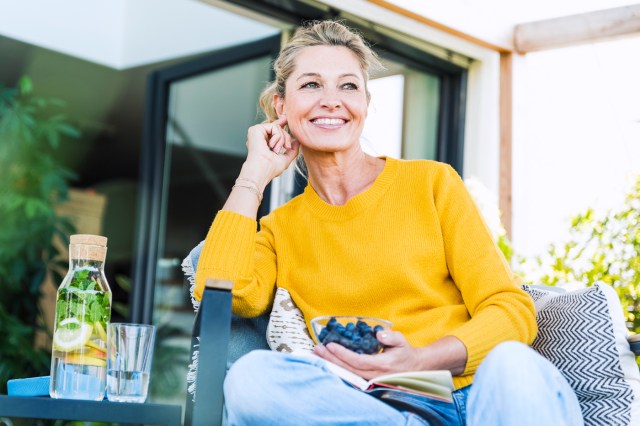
x=32, y=183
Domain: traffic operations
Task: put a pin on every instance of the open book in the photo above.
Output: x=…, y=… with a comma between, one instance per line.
x=436, y=384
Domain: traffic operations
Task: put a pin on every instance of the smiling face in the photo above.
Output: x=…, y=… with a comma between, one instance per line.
x=325, y=99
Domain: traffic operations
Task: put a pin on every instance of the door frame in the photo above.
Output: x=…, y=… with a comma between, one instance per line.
x=152, y=163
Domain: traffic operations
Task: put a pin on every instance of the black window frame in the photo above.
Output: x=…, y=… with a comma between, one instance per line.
x=153, y=161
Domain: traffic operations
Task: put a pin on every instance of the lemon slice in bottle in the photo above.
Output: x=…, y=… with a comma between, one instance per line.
x=100, y=331
x=68, y=339
x=84, y=360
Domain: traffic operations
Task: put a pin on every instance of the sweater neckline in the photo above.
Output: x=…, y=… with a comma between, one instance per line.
x=358, y=202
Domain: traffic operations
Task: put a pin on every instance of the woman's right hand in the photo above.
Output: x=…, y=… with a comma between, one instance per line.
x=270, y=151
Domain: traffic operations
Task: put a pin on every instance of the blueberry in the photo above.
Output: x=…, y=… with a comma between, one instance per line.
x=331, y=337
x=345, y=342
x=323, y=334
x=358, y=337
x=332, y=324
x=357, y=342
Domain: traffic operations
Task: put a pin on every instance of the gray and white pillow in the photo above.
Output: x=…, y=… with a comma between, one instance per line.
x=583, y=333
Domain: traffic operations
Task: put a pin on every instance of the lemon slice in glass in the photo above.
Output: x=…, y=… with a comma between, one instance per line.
x=69, y=339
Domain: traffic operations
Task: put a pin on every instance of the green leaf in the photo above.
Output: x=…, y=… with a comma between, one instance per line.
x=95, y=312
x=25, y=85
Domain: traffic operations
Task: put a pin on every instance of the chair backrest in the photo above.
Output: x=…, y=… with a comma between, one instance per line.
x=209, y=343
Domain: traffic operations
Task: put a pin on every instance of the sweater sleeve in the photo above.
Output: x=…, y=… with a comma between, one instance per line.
x=500, y=310
x=234, y=251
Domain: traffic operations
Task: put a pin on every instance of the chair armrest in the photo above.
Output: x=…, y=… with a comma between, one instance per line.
x=634, y=344
x=213, y=326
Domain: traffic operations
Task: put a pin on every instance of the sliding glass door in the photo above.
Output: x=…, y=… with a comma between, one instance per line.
x=198, y=115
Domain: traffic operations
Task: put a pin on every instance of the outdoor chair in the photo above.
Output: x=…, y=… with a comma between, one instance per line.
x=219, y=338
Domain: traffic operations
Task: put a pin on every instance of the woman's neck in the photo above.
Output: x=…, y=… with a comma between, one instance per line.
x=336, y=177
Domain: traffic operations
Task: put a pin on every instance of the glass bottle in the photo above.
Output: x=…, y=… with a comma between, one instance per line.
x=83, y=309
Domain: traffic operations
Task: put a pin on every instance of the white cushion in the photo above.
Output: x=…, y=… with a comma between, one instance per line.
x=583, y=333
x=287, y=331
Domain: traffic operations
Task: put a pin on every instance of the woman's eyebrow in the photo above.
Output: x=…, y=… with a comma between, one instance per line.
x=316, y=75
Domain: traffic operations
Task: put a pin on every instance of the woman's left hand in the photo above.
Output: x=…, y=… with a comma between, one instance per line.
x=397, y=356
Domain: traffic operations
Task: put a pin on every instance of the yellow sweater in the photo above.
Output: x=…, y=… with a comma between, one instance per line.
x=412, y=249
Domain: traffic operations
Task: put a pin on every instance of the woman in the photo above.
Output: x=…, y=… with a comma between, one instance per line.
x=379, y=237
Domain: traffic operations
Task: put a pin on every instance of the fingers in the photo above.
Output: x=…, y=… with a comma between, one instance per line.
x=391, y=338
x=364, y=365
x=280, y=140
x=281, y=121
x=292, y=152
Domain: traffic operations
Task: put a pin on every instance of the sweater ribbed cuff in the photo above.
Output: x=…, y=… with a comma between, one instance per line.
x=479, y=340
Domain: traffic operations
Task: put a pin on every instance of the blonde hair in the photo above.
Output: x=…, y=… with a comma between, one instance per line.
x=316, y=33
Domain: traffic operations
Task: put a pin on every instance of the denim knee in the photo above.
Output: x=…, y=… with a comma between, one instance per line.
x=516, y=385
x=510, y=354
x=243, y=386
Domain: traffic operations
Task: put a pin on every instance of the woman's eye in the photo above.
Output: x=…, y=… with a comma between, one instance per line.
x=350, y=86
x=310, y=85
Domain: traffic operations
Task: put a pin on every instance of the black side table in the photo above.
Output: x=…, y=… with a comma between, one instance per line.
x=97, y=411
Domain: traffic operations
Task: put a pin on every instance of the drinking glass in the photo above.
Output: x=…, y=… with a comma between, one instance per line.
x=129, y=355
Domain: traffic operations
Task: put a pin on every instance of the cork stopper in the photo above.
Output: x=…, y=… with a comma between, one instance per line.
x=89, y=247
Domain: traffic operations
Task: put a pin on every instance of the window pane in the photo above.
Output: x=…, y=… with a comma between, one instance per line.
x=422, y=105
x=207, y=120
x=403, y=114
x=382, y=134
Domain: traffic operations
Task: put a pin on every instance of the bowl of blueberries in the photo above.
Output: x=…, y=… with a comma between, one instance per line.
x=355, y=333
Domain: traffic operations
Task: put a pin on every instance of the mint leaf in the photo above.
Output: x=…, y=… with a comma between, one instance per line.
x=95, y=312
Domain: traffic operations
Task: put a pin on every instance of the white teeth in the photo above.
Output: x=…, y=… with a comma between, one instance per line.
x=328, y=121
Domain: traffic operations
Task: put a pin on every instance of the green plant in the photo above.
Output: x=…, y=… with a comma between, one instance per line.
x=32, y=183
x=605, y=248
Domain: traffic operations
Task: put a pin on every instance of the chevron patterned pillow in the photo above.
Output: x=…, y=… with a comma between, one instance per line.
x=583, y=333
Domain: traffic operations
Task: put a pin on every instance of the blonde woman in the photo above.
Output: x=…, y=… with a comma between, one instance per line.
x=370, y=236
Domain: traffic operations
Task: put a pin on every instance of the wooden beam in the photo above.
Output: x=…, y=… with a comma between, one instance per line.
x=506, y=139
x=576, y=29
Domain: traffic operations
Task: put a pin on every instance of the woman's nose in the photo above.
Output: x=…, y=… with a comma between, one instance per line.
x=330, y=99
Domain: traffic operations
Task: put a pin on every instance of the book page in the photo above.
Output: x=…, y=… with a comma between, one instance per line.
x=436, y=382
x=420, y=386
x=439, y=377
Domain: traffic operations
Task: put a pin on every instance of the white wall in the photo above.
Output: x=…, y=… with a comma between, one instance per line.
x=493, y=20
x=88, y=29
x=126, y=33
x=576, y=136
x=163, y=29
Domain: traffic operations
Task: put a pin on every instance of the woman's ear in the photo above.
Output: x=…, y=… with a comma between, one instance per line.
x=278, y=103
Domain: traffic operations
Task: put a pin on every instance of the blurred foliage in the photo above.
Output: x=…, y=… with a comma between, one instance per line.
x=602, y=248
x=32, y=183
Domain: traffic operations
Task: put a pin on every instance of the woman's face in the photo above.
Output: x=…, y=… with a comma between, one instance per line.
x=325, y=99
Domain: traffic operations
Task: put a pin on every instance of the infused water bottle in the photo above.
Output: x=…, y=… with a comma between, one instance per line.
x=83, y=309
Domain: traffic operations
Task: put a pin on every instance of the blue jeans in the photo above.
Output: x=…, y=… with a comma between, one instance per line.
x=513, y=386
